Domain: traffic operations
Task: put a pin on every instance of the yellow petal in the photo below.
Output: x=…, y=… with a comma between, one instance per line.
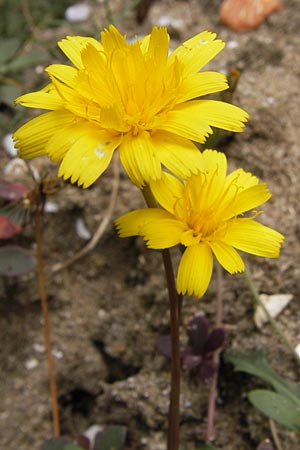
x=158, y=47
x=32, y=137
x=87, y=159
x=242, y=179
x=73, y=45
x=132, y=223
x=246, y=200
x=195, y=270
x=227, y=256
x=163, y=233
x=210, y=112
x=197, y=51
x=202, y=83
x=186, y=123
x=112, y=39
x=65, y=74
x=65, y=138
x=253, y=237
x=139, y=159
x=167, y=191
x=46, y=98
x=177, y=154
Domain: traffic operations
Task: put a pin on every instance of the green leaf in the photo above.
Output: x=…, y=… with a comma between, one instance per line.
x=8, y=92
x=55, y=444
x=26, y=60
x=8, y=47
x=111, y=439
x=278, y=407
x=72, y=447
x=15, y=261
x=255, y=363
x=60, y=444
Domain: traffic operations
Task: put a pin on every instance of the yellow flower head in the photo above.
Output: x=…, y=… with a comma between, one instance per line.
x=203, y=213
x=133, y=96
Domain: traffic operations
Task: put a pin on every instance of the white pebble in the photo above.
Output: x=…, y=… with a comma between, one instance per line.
x=297, y=350
x=274, y=304
x=39, y=348
x=31, y=363
x=57, y=354
x=15, y=167
x=77, y=13
x=232, y=44
x=82, y=230
x=51, y=207
x=9, y=146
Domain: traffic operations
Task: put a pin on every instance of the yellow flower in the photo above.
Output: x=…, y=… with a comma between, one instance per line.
x=203, y=213
x=130, y=96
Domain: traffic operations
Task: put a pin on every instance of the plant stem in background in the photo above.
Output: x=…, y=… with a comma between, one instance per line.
x=43, y=296
x=174, y=406
x=273, y=323
x=209, y=437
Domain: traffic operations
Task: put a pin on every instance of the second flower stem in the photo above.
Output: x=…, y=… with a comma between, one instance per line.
x=175, y=306
x=174, y=406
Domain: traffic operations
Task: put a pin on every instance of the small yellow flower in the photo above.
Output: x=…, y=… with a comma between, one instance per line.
x=130, y=96
x=203, y=213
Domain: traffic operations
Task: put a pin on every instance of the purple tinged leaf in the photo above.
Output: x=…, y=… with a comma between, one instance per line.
x=12, y=191
x=189, y=361
x=84, y=442
x=206, y=371
x=197, y=332
x=215, y=340
x=163, y=346
x=8, y=229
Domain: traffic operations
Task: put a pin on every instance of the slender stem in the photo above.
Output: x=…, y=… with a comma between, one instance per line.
x=43, y=295
x=209, y=437
x=174, y=406
x=273, y=323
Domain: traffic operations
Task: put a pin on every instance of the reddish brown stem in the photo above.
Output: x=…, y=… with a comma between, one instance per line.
x=47, y=334
x=209, y=437
x=175, y=302
x=174, y=407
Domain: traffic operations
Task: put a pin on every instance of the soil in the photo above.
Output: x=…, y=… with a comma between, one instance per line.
x=108, y=308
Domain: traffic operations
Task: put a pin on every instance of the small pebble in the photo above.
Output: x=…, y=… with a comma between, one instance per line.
x=51, y=207
x=82, y=230
x=9, y=146
x=31, y=363
x=78, y=12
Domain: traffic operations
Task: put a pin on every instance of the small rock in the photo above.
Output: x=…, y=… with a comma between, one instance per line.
x=78, y=12
x=82, y=230
x=9, y=146
x=31, y=363
x=274, y=305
